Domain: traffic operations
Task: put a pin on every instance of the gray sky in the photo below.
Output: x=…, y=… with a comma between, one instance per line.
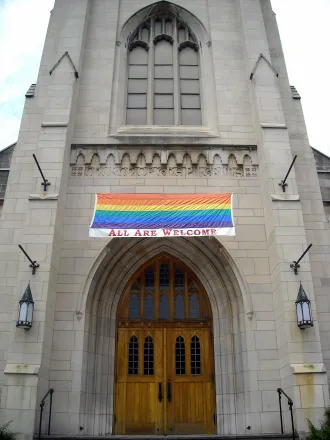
x=305, y=32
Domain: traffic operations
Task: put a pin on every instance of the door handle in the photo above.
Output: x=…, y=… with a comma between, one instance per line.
x=169, y=392
x=160, y=392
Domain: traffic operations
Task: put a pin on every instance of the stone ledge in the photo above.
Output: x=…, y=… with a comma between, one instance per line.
x=159, y=130
x=285, y=197
x=44, y=196
x=54, y=124
x=273, y=125
x=22, y=369
x=308, y=368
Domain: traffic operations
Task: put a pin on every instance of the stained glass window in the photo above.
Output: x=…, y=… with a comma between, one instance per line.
x=149, y=309
x=164, y=276
x=134, y=306
x=179, y=307
x=164, y=307
x=149, y=279
x=179, y=279
x=194, y=306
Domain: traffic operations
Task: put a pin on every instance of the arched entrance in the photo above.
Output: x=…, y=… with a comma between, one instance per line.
x=231, y=304
x=164, y=379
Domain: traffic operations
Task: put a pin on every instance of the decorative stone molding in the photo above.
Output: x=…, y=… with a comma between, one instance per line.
x=285, y=197
x=43, y=196
x=66, y=54
x=250, y=315
x=273, y=125
x=22, y=369
x=262, y=57
x=54, y=124
x=308, y=368
x=176, y=162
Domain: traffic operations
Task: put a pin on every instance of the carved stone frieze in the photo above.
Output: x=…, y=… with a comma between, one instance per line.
x=148, y=162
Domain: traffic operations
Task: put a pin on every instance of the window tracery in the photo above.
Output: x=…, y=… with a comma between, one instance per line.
x=164, y=289
x=163, y=74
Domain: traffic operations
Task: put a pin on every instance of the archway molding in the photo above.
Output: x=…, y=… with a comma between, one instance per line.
x=207, y=80
x=170, y=9
x=104, y=285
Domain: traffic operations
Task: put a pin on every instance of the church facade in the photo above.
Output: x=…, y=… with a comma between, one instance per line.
x=191, y=333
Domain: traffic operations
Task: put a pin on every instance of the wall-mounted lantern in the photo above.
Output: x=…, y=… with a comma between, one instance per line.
x=303, y=307
x=25, y=310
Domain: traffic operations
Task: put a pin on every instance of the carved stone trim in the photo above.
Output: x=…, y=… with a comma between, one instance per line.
x=273, y=125
x=54, y=124
x=285, y=197
x=308, y=368
x=79, y=315
x=22, y=369
x=150, y=162
x=249, y=315
x=43, y=196
x=188, y=43
x=164, y=324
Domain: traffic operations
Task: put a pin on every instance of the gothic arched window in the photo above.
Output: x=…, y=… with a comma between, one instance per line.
x=163, y=74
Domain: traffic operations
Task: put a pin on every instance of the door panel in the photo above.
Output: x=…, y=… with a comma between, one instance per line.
x=139, y=402
x=191, y=409
x=164, y=355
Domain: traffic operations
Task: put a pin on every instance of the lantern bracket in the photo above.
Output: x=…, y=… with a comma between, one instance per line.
x=283, y=183
x=45, y=182
x=295, y=265
x=34, y=265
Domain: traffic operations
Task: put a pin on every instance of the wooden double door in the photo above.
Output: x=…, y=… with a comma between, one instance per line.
x=165, y=379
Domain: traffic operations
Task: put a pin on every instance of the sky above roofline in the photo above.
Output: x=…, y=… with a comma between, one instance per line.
x=304, y=29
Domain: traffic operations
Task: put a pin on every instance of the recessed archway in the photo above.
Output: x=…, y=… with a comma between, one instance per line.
x=164, y=377
x=229, y=300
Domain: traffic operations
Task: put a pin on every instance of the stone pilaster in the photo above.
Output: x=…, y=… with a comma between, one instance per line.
x=46, y=131
x=286, y=236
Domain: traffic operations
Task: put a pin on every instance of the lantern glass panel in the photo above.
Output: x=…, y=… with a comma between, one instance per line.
x=300, y=315
x=306, y=312
x=30, y=312
x=23, y=312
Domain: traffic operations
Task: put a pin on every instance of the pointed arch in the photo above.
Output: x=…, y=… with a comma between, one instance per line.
x=105, y=282
x=163, y=95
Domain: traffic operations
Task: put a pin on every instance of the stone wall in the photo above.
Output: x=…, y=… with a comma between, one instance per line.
x=74, y=125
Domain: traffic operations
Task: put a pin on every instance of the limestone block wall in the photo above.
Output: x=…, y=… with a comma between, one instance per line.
x=314, y=216
x=73, y=126
x=101, y=82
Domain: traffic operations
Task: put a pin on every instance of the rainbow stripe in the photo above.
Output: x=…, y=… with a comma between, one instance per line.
x=156, y=211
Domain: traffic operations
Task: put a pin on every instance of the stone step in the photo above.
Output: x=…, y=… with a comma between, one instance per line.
x=169, y=437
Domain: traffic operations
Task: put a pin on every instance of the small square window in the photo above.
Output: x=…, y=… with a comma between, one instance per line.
x=137, y=86
x=163, y=101
x=137, y=101
x=189, y=86
x=190, y=101
x=136, y=116
x=191, y=117
x=137, y=71
x=164, y=116
x=163, y=85
x=163, y=71
x=189, y=72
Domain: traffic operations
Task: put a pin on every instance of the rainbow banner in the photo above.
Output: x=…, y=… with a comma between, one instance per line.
x=162, y=215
